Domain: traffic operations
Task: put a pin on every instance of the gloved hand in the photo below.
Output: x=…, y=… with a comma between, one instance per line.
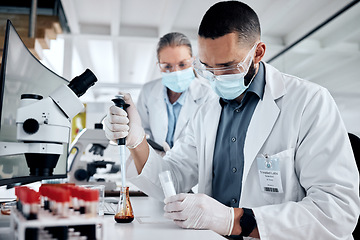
x=166, y=146
x=119, y=124
x=199, y=211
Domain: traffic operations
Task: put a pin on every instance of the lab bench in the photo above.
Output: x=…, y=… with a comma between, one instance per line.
x=148, y=223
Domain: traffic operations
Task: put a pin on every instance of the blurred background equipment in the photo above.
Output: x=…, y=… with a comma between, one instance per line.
x=117, y=40
x=85, y=162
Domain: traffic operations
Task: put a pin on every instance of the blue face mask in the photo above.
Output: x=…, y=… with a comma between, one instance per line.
x=229, y=86
x=178, y=81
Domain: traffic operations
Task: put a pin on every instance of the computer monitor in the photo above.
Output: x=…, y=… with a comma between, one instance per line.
x=22, y=73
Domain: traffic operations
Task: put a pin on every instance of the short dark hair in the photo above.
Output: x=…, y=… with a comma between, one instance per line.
x=230, y=17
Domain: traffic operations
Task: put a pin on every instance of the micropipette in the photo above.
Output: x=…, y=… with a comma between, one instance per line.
x=119, y=102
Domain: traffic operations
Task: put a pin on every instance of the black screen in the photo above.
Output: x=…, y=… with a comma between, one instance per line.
x=22, y=73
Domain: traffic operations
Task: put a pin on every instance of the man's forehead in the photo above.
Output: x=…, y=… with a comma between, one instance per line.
x=220, y=50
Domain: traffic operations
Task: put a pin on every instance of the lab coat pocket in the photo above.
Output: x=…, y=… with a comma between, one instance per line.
x=277, y=178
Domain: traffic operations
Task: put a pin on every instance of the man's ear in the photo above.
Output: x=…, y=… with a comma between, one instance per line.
x=259, y=52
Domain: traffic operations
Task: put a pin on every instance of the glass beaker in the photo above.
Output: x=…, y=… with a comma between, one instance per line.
x=124, y=213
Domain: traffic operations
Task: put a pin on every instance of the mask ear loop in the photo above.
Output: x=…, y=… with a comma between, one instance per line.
x=249, y=57
x=252, y=76
x=251, y=61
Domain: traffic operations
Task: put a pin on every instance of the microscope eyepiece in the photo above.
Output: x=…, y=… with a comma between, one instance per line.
x=80, y=84
x=31, y=96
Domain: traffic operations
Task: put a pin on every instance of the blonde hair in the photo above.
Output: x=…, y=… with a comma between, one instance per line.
x=173, y=39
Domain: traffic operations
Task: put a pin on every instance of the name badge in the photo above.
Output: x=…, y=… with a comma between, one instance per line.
x=269, y=174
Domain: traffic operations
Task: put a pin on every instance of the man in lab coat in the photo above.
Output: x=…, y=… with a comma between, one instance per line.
x=271, y=154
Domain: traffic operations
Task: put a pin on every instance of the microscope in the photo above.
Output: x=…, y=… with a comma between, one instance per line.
x=43, y=124
x=81, y=171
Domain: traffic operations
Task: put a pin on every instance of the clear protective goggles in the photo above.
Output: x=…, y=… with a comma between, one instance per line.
x=169, y=67
x=213, y=74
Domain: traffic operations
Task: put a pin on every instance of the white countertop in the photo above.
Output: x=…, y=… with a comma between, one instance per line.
x=149, y=223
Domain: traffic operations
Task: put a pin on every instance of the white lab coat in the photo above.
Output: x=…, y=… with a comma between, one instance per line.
x=153, y=113
x=298, y=122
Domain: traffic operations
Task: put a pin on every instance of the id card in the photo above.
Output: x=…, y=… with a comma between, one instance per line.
x=269, y=174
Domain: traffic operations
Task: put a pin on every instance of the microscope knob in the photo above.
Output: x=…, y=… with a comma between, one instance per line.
x=81, y=175
x=31, y=126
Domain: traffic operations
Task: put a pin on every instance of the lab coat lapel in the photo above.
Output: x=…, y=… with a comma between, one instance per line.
x=211, y=122
x=186, y=111
x=189, y=107
x=160, y=112
x=264, y=118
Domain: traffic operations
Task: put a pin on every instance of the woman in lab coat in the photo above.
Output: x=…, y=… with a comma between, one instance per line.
x=165, y=105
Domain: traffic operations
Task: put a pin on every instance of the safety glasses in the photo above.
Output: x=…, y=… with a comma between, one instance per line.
x=213, y=74
x=169, y=67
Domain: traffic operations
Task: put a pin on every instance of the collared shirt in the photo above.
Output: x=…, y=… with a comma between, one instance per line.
x=173, y=111
x=228, y=162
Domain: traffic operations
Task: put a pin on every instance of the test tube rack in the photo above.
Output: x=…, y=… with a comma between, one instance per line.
x=45, y=220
